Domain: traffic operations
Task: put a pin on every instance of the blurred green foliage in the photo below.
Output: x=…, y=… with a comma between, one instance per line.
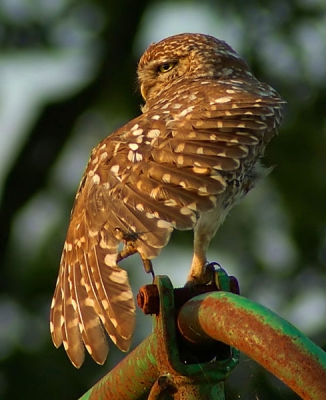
x=80, y=58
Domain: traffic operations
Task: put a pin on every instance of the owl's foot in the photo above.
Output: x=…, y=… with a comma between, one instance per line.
x=129, y=250
x=148, y=266
x=205, y=277
x=126, y=252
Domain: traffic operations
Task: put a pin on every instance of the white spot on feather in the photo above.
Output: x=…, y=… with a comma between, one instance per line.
x=74, y=304
x=118, y=276
x=186, y=111
x=103, y=156
x=133, y=146
x=88, y=302
x=166, y=178
x=137, y=132
x=115, y=168
x=155, y=192
x=221, y=100
x=139, y=157
x=202, y=190
x=104, y=245
x=200, y=170
x=180, y=160
x=185, y=211
x=149, y=215
x=110, y=260
x=114, y=322
x=96, y=179
x=140, y=207
x=170, y=203
x=180, y=147
x=105, y=303
x=125, y=296
x=68, y=246
x=153, y=133
x=163, y=224
x=131, y=156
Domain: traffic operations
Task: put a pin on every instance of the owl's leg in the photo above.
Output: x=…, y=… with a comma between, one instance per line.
x=204, y=231
x=129, y=243
x=129, y=250
x=198, y=275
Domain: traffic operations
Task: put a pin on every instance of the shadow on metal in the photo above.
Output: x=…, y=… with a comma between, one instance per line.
x=190, y=353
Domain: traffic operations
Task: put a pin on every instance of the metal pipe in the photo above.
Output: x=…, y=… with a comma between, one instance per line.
x=262, y=335
x=157, y=368
x=131, y=378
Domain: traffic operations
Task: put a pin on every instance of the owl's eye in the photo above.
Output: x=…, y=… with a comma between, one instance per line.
x=166, y=67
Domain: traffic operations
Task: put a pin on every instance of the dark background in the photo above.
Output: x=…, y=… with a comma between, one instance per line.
x=67, y=79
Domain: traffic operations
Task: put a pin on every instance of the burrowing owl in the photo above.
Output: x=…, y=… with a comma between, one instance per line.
x=181, y=164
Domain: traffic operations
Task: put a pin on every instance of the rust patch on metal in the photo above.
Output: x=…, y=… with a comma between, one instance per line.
x=262, y=335
x=148, y=299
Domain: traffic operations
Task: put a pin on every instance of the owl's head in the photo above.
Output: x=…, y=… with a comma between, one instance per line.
x=187, y=56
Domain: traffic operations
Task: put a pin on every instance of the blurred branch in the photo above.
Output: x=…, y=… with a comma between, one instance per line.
x=30, y=170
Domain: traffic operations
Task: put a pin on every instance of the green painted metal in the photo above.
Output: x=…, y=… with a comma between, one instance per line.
x=132, y=378
x=160, y=367
x=261, y=334
x=185, y=380
x=222, y=279
x=157, y=369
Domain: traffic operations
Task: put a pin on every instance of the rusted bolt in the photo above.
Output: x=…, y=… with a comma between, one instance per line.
x=148, y=296
x=148, y=299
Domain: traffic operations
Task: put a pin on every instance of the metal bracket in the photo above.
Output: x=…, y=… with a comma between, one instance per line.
x=186, y=370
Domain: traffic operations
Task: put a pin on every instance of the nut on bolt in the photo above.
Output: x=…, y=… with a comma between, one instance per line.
x=148, y=299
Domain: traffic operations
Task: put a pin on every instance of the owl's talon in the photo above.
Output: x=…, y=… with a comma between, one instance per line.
x=213, y=264
x=148, y=267
x=209, y=274
x=206, y=277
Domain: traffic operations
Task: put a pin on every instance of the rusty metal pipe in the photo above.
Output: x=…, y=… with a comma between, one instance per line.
x=261, y=334
x=131, y=378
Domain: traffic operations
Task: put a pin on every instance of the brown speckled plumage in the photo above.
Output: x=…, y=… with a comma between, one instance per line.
x=182, y=164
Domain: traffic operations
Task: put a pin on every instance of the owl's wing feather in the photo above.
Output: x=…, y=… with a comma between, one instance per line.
x=91, y=289
x=91, y=329
x=70, y=330
x=56, y=312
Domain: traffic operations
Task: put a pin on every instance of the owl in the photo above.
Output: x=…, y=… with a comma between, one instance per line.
x=182, y=164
